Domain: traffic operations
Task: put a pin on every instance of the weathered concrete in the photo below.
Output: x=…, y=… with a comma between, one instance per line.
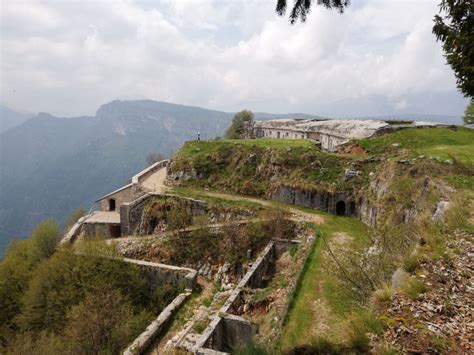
x=158, y=274
x=74, y=232
x=146, y=177
x=145, y=339
x=329, y=132
x=228, y=332
x=119, y=196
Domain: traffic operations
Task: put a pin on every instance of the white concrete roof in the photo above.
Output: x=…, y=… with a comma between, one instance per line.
x=352, y=129
x=342, y=128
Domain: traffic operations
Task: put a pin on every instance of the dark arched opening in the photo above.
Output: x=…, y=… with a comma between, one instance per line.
x=111, y=204
x=341, y=208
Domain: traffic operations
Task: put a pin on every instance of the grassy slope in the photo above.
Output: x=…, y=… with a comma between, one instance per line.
x=306, y=322
x=207, y=147
x=319, y=284
x=442, y=143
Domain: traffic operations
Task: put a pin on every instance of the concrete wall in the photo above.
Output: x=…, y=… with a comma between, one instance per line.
x=158, y=274
x=142, y=175
x=280, y=133
x=145, y=339
x=226, y=331
x=330, y=142
x=324, y=201
x=120, y=197
x=230, y=331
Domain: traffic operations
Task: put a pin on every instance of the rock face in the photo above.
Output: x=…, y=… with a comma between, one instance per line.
x=441, y=209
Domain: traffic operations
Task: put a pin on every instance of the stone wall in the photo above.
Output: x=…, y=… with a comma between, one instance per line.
x=324, y=200
x=131, y=213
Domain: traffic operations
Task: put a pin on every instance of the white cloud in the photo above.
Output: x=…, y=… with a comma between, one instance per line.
x=69, y=57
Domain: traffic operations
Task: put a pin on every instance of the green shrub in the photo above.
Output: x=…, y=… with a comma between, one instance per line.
x=412, y=287
x=411, y=263
x=357, y=327
x=383, y=294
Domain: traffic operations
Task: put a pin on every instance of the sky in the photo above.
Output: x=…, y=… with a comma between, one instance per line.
x=380, y=57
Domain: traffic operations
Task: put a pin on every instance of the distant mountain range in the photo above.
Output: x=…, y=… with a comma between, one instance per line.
x=50, y=166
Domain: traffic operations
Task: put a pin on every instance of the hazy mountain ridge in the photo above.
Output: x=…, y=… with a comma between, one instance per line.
x=10, y=118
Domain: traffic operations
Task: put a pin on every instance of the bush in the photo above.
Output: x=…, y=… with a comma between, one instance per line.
x=411, y=263
x=383, y=295
x=357, y=327
x=412, y=287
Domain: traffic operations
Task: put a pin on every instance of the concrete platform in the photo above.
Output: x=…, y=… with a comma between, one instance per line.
x=104, y=217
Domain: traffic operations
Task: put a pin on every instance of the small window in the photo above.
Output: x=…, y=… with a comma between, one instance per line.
x=112, y=204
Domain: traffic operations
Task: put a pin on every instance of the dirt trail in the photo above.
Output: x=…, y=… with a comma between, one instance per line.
x=302, y=216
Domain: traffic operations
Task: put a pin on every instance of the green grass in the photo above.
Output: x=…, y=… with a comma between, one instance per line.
x=208, y=147
x=317, y=283
x=442, y=143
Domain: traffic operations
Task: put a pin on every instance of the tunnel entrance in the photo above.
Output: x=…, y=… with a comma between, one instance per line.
x=111, y=204
x=341, y=208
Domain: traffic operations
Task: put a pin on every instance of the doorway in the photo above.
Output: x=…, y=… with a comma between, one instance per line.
x=341, y=208
x=112, y=204
x=114, y=231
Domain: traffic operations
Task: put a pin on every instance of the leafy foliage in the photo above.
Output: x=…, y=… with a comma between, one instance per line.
x=469, y=113
x=56, y=301
x=456, y=31
x=237, y=127
x=17, y=269
x=301, y=8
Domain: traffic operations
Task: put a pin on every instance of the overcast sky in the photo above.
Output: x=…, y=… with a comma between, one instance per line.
x=69, y=57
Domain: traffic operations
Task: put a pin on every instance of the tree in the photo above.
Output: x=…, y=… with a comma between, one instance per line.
x=301, y=8
x=239, y=122
x=153, y=158
x=98, y=324
x=469, y=113
x=456, y=31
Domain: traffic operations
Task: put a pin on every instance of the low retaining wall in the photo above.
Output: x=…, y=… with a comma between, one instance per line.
x=157, y=274
x=144, y=340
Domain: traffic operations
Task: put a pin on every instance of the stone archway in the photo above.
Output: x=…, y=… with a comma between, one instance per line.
x=341, y=208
